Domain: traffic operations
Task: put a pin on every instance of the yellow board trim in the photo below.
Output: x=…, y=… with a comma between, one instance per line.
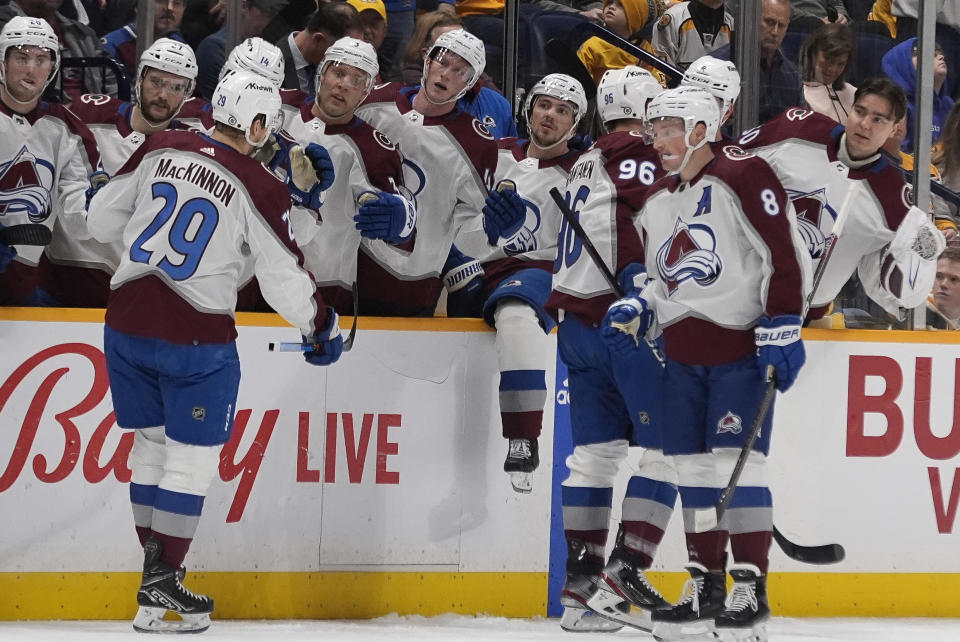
x=348, y=595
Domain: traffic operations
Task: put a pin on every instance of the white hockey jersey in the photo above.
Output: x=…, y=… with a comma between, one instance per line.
x=604, y=188
x=192, y=213
x=364, y=160
x=46, y=158
x=676, y=35
x=448, y=166
x=801, y=147
x=720, y=252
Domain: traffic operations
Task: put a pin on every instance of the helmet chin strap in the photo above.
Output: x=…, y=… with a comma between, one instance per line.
x=690, y=150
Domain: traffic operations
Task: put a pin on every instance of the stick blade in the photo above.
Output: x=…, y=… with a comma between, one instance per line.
x=26, y=234
x=821, y=554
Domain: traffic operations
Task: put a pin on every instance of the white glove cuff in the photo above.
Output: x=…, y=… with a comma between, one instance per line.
x=459, y=276
x=782, y=335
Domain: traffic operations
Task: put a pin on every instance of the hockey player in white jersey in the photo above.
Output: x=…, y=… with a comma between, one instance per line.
x=891, y=244
x=186, y=205
x=727, y=288
x=449, y=161
x=75, y=270
x=615, y=397
x=513, y=284
x=46, y=153
x=367, y=197
x=720, y=78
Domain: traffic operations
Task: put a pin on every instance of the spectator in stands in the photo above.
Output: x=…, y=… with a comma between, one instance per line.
x=780, y=84
x=826, y=10
x=373, y=17
x=303, y=50
x=943, y=304
x=946, y=156
x=900, y=64
x=628, y=19
x=76, y=40
x=293, y=17
x=121, y=44
x=483, y=101
x=824, y=58
x=211, y=52
x=689, y=30
x=401, y=22
x=901, y=19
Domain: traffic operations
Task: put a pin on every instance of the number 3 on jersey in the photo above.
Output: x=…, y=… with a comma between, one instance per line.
x=569, y=244
x=189, y=234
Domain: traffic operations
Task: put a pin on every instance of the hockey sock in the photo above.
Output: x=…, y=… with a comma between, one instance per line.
x=586, y=517
x=749, y=519
x=646, y=512
x=709, y=548
x=521, y=355
x=146, y=464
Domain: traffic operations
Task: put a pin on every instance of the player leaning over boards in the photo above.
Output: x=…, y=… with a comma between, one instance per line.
x=727, y=289
x=46, y=153
x=615, y=397
x=891, y=244
x=185, y=204
x=75, y=270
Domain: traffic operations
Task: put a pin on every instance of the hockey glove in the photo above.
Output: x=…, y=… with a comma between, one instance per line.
x=328, y=343
x=580, y=142
x=504, y=213
x=6, y=253
x=779, y=345
x=632, y=278
x=385, y=216
x=311, y=172
x=274, y=152
x=97, y=180
x=626, y=323
x=463, y=278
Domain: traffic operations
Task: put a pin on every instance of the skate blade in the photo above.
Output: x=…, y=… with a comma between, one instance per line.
x=521, y=482
x=669, y=631
x=582, y=620
x=756, y=633
x=613, y=606
x=149, y=619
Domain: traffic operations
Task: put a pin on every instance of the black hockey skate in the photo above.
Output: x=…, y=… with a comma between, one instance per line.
x=160, y=591
x=624, y=594
x=523, y=457
x=583, y=574
x=700, y=603
x=744, y=618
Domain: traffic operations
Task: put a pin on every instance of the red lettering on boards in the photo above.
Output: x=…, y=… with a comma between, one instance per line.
x=945, y=513
x=356, y=446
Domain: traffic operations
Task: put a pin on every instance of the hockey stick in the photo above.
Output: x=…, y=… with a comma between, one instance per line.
x=305, y=346
x=709, y=518
x=673, y=74
x=594, y=255
x=26, y=234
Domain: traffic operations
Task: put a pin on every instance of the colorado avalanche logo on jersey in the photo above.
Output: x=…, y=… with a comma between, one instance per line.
x=730, y=423
x=810, y=207
x=22, y=188
x=525, y=240
x=413, y=177
x=689, y=254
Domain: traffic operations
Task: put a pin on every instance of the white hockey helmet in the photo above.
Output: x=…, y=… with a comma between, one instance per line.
x=355, y=53
x=692, y=105
x=258, y=56
x=171, y=56
x=719, y=77
x=467, y=46
x=561, y=87
x=624, y=93
x=23, y=31
x=243, y=96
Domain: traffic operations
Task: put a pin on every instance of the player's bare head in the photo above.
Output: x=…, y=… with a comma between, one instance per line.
x=247, y=104
x=452, y=65
x=683, y=120
x=946, y=286
x=719, y=77
x=30, y=58
x=258, y=56
x=553, y=109
x=345, y=78
x=165, y=79
x=623, y=94
x=878, y=105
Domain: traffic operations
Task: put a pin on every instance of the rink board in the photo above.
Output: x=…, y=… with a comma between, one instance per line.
x=376, y=486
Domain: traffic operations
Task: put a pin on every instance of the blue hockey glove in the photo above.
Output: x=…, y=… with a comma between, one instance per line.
x=310, y=173
x=779, y=345
x=385, y=216
x=328, y=342
x=6, y=253
x=504, y=213
x=632, y=278
x=97, y=180
x=579, y=142
x=463, y=278
x=626, y=322
x=322, y=164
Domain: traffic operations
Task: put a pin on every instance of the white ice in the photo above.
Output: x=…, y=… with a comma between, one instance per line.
x=457, y=627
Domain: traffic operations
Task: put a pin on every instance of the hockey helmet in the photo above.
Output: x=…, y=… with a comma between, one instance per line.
x=719, y=77
x=692, y=105
x=23, y=31
x=258, y=56
x=561, y=87
x=467, y=46
x=241, y=97
x=355, y=53
x=171, y=56
x=624, y=93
